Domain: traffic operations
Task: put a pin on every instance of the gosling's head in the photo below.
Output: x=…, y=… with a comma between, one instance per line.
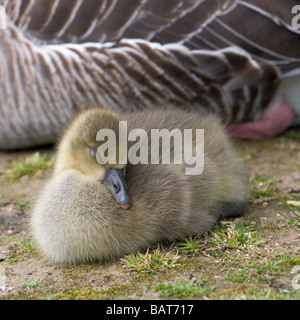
x=80, y=150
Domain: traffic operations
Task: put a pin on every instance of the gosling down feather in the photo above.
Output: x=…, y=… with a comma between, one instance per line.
x=77, y=218
x=236, y=58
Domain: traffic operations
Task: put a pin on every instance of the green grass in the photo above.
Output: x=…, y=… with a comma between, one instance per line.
x=294, y=221
x=248, y=270
x=292, y=134
x=30, y=285
x=21, y=248
x=182, y=289
x=262, y=189
x=246, y=254
x=237, y=276
x=236, y=236
x=152, y=261
x=190, y=245
x=29, y=244
x=53, y=296
x=263, y=294
x=229, y=235
x=22, y=205
x=28, y=166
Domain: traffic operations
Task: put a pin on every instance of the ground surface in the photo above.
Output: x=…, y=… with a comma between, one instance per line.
x=255, y=256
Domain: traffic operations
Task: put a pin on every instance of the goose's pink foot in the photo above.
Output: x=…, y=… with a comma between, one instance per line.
x=270, y=125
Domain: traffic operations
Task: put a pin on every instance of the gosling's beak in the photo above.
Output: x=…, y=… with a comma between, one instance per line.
x=115, y=182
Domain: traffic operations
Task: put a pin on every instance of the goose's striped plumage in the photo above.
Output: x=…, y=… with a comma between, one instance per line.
x=57, y=57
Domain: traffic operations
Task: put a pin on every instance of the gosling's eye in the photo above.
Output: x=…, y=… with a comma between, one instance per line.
x=117, y=189
x=93, y=152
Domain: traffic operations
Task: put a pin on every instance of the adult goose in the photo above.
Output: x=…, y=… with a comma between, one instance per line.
x=238, y=58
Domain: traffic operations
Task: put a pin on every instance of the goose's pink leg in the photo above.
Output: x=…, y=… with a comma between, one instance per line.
x=270, y=125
